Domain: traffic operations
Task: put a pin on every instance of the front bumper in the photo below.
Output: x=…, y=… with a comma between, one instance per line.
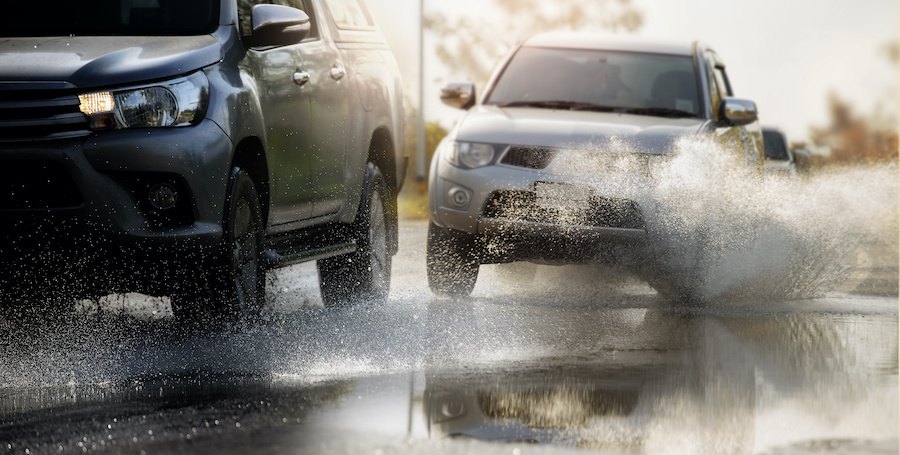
x=92, y=215
x=108, y=173
x=529, y=231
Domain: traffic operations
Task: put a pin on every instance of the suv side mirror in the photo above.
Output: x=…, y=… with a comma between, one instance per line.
x=276, y=25
x=460, y=95
x=739, y=112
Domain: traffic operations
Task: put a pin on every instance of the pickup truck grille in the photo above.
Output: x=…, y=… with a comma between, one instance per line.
x=528, y=157
x=602, y=211
x=31, y=115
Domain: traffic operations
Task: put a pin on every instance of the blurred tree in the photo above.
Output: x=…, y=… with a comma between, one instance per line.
x=413, y=202
x=434, y=133
x=854, y=138
x=473, y=43
x=893, y=52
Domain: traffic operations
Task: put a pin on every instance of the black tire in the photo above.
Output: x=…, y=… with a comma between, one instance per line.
x=364, y=275
x=680, y=282
x=452, y=262
x=231, y=286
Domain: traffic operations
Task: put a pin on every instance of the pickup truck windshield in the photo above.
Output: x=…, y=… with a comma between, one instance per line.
x=34, y=18
x=577, y=79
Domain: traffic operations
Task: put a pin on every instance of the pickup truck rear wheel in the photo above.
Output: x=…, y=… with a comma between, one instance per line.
x=365, y=275
x=232, y=286
x=452, y=262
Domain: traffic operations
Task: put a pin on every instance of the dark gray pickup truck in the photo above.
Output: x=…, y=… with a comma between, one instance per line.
x=181, y=149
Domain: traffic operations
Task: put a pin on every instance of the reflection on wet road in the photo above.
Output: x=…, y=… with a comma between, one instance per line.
x=561, y=364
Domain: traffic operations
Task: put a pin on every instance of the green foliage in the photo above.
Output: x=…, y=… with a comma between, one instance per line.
x=434, y=133
x=413, y=201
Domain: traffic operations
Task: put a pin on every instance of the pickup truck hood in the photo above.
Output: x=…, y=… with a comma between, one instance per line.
x=574, y=129
x=104, y=61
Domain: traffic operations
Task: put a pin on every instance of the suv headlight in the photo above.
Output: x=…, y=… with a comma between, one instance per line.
x=178, y=102
x=468, y=154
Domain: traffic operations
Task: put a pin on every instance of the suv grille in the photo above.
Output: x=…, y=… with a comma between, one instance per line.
x=36, y=185
x=603, y=211
x=40, y=114
x=530, y=157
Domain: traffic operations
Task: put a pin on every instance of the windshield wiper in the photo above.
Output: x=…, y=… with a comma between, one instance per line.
x=657, y=111
x=568, y=105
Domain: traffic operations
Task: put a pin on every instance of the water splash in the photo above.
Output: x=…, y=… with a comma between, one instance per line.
x=718, y=230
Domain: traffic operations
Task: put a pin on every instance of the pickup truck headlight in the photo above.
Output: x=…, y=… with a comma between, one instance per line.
x=178, y=102
x=468, y=154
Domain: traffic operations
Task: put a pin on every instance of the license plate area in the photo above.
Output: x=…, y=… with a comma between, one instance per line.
x=562, y=197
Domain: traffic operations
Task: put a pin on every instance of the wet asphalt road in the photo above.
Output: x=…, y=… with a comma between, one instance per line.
x=576, y=361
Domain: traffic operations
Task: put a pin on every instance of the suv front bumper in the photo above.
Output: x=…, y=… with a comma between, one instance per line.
x=502, y=210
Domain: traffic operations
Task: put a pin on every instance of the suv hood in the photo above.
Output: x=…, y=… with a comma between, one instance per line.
x=105, y=61
x=573, y=129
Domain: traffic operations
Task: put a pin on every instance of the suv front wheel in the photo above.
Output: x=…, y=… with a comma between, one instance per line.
x=452, y=261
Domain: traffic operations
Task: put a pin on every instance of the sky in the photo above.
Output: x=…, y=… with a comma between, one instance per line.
x=787, y=55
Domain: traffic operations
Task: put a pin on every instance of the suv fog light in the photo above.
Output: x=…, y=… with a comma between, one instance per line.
x=163, y=196
x=459, y=198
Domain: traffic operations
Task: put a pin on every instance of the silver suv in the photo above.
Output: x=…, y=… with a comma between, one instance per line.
x=506, y=184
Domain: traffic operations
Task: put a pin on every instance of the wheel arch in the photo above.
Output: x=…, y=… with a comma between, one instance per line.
x=383, y=155
x=250, y=156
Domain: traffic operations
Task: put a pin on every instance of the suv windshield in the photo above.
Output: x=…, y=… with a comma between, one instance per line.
x=640, y=83
x=109, y=17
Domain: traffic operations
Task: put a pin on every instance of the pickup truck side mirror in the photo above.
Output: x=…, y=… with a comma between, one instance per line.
x=460, y=95
x=739, y=112
x=276, y=25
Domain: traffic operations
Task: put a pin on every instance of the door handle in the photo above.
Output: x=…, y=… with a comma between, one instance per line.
x=301, y=78
x=338, y=73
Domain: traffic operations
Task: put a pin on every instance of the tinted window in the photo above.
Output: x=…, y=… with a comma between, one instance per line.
x=776, y=148
x=614, y=79
x=350, y=14
x=109, y=17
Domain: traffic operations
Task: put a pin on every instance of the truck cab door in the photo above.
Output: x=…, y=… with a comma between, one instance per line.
x=284, y=97
x=330, y=123
x=330, y=126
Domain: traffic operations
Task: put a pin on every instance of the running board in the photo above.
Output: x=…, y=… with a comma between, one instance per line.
x=273, y=259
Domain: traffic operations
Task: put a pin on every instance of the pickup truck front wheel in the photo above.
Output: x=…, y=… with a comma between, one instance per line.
x=452, y=262
x=365, y=275
x=232, y=285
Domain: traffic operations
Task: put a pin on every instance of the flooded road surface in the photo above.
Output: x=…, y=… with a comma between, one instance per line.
x=552, y=362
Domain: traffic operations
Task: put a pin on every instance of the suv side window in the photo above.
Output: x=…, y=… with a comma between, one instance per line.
x=245, y=7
